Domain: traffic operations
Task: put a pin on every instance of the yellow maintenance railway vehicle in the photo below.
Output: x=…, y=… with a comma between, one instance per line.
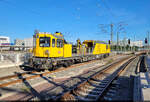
x=51, y=50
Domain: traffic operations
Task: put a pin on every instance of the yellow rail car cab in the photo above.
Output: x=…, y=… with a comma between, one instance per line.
x=51, y=45
x=101, y=47
x=95, y=47
x=89, y=46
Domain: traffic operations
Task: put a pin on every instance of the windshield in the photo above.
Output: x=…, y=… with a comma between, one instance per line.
x=44, y=41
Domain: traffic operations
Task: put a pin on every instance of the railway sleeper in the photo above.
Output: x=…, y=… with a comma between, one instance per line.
x=94, y=82
x=93, y=87
x=113, y=88
x=83, y=98
x=84, y=94
x=88, y=90
x=112, y=91
x=99, y=81
x=94, y=91
x=110, y=94
x=107, y=98
x=99, y=77
x=105, y=81
x=97, y=85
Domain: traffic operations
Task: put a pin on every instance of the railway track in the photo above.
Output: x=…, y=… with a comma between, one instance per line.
x=27, y=76
x=96, y=86
x=142, y=64
x=13, y=79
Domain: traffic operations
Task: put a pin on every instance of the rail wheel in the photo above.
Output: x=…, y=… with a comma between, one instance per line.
x=66, y=64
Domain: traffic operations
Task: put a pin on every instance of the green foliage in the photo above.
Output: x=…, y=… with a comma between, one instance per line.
x=124, y=48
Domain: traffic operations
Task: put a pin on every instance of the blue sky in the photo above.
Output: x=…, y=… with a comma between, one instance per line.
x=75, y=18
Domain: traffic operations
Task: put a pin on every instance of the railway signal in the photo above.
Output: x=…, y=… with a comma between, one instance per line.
x=109, y=42
x=129, y=41
x=145, y=40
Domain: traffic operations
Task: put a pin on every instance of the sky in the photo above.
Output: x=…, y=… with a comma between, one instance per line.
x=84, y=19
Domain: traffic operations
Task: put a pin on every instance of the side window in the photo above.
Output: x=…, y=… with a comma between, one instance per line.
x=53, y=43
x=59, y=43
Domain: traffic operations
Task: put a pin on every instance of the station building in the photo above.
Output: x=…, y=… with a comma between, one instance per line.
x=28, y=42
x=4, y=40
x=138, y=43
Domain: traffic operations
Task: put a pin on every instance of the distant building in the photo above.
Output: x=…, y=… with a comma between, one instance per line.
x=138, y=43
x=19, y=42
x=124, y=42
x=4, y=40
x=28, y=42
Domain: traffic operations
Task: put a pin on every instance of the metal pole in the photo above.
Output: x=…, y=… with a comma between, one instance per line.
x=117, y=42
x=134, y=45
x=121, y=47
x=124, y=43
x=148, y=40
x=111, y=33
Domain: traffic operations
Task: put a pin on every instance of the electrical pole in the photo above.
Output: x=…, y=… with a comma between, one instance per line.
x=148, y=40
x=111, y=25
x=134, y=44
x=117, y=42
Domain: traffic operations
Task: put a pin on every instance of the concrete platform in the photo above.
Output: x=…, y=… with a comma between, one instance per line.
x=145, y=82
x=145, y=86
x=7, y=64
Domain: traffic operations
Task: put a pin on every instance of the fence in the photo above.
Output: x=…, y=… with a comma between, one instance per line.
x=14, y=57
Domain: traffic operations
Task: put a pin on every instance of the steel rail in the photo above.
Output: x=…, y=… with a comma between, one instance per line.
x=16, y=75
x=30, y=72
x=65, y=94
x=39, y=75
x=116, y=74
x=137, y=91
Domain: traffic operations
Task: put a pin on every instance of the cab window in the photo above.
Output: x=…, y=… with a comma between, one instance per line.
x=59, y=43
x=44, y=41
x=53, y=43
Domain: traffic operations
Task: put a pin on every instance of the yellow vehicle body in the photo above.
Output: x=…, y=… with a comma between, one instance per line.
x=108, y=48
x=97, y=47
x=51, y=50
x=51, y=45
x=67, y=50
